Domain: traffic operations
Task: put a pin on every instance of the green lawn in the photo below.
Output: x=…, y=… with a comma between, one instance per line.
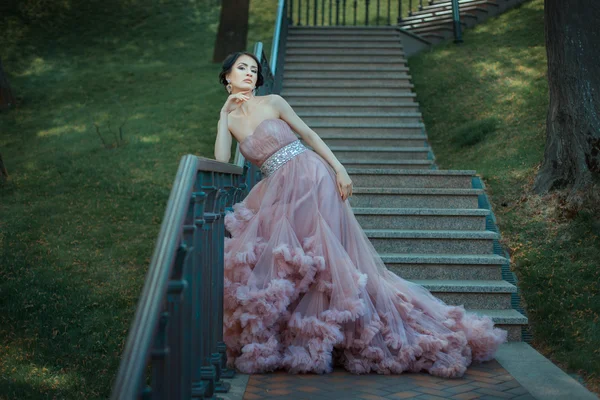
x=484, y=104
x=78, y=220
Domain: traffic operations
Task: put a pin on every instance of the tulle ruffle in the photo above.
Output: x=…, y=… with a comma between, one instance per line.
x=305, y=290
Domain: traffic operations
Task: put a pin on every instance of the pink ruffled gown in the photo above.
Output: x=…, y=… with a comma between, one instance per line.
x=306, y=290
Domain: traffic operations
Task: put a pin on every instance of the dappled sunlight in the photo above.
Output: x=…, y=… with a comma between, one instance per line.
x=60, y=130
x=26, y=372
x=38, y=66
x=150, y=139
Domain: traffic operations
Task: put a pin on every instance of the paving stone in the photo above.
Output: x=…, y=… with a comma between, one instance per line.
x=520, y=390
x=466, y=396
x=482, y=381
x=404, y=395
x=496, y=393
x=524, y=397
x=461, y=389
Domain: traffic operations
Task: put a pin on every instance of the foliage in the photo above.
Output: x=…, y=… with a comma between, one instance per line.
x=498, y=75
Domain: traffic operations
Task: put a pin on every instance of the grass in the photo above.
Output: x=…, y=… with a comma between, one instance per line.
x=484, y=105
x=78, y=219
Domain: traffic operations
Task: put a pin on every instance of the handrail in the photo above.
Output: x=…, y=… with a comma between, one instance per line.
x=139, y=340
x=165, y=277
x=176, y=324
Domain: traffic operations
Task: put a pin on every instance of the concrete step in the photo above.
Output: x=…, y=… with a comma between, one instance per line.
x=350, y=99
x=445, y=266
x=365, y=80
x=478, y=9
x=451, y=179
x=510, y=320
x=347, y=58
x=362, y=140
x=367, y=76
x=472, y=294
x=393, y=44
x=343, y=30
x=319, y=90
x=422, y=218
x=445, y=5
x=350, y=60
x=353, y=106
x=382, y=153
x=341, y=129
x=466, y=20
x=341, y=84
x=343, y=39
x=389, y=164
x=432, y=242
x=361, y=117
x=414, y=197
x=344, y=51
x=335, y=68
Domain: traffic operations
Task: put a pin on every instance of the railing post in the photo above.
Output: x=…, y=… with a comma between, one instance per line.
x=399, y=12
x=228, y=188
x=179, y=384
x=456, y=20
x=203, y=377
x=366, y=12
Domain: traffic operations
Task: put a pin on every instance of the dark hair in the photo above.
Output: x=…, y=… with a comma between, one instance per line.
x=228, y=64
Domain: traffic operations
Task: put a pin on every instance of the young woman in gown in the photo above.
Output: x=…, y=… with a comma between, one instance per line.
x=305, y=290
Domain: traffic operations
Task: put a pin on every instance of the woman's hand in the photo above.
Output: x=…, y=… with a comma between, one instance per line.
x=344, y=184
x=234, y=101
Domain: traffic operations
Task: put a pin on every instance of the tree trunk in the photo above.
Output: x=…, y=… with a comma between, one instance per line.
x=572, y=153
x=6, y=97
x=3, y=171
x=233, y=28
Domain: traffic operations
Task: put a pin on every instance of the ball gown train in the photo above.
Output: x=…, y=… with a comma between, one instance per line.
x=305, y=290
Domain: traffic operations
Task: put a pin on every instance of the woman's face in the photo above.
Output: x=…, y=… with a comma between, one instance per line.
x=244, y=74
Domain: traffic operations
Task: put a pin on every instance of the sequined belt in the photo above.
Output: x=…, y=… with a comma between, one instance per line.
x=281, y=156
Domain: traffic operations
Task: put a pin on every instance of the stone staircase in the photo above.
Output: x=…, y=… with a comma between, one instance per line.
x=352, y=86
x=434, y=22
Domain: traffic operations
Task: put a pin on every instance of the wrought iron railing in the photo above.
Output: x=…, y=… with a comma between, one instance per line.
x=364, y=12
x=177, y=329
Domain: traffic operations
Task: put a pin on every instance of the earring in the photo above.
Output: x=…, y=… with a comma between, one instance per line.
x=228, y=86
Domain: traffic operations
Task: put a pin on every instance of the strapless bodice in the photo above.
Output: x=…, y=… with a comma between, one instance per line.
x=269, y=136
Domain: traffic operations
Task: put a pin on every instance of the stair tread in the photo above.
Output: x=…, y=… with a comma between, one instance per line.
x=383, y=162
x=359, y=114
x=362, y=136
x=421, y=211
x=503, y=317
x=441, y=234
x=475, y=286
x=379, y=148
x=383, y=171
x=367, y=125
x=388, y=190
x=443, y=258
x=352, y=95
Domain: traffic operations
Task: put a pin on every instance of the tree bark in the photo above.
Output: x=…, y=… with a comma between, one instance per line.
x=572, y=152
x=7, y=99
x=233, y=28
x=3, y=171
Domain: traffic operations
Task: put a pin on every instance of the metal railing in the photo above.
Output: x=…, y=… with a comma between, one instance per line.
x=174, y=348
x=367, y=12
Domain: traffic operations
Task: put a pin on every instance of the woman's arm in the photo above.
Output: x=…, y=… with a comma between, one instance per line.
x=308, y=135
x=223, y=141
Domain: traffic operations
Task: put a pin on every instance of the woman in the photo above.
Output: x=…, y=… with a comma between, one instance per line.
x=304, y=288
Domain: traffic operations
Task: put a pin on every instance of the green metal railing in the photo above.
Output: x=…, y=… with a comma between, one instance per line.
x=174, y=348
x=365, y=12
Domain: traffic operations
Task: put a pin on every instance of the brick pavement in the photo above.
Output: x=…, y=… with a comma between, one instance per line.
x=484, y=381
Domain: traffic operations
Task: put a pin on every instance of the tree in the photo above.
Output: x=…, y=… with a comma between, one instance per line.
x=7, y=99
x=572, y=152
x=233, y=28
